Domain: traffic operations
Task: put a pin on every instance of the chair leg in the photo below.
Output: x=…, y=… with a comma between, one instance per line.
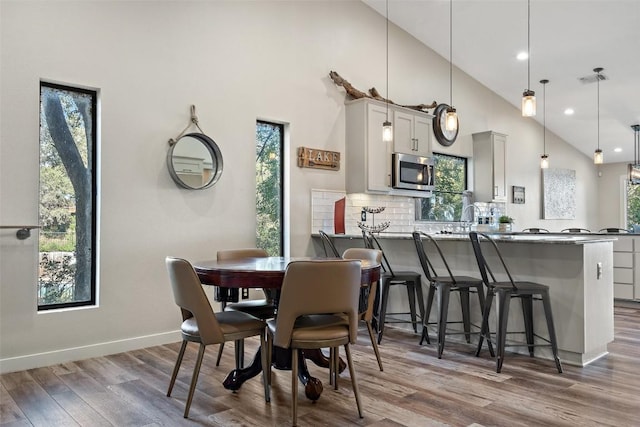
x=239, y=349
x=419, y=296
x=481, y=301
x=335, y=360
x=354, y=383
x=194, y=379
x=265, y=367
x=504, y=298
x=466, y=318
x=444, y=292
x=374, y=344
x=527, y=314
x=552, y=330
x=425, y=319
x=411, y=294
x=386, y=284
x=220, y=349
x=294, y=386
x=269, y=350
x=176, y=368
x=484, y=328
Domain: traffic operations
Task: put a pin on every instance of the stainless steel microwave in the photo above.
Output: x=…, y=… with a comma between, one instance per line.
x=410, y=172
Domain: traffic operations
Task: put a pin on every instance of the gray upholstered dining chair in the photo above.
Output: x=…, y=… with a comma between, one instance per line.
x=201, y=325
x=369, y=291
x=318, y=309
x=260, y=308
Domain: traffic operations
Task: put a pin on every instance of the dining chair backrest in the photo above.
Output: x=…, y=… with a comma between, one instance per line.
x=613, y=230
x=485, y=270
x=192, y=300
x=419, y=239
x=328, y=243
x=231, y=254
x=535, y=230
x=372, y=255
x=318, y=287
x=371, y=242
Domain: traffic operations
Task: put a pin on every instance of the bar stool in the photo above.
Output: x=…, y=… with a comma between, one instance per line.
x=388, y=278
x=328, y=243
x=575, y=230
x=445, y=284
x=535, y=230
x=504, y=291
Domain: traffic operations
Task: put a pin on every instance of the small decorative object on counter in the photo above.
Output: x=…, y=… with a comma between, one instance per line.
x=504, y=223
x=373, y=228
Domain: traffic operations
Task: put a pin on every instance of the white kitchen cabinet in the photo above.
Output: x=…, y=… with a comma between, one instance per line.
x=412, y=132
x=626, y=267
x=489, y=177
x=368, y=158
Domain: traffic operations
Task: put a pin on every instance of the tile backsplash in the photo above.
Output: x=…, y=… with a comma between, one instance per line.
x=399, y=211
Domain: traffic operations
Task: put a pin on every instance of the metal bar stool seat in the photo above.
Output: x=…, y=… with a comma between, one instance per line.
x=505, y=291
x=388, y=278
x=444, y=284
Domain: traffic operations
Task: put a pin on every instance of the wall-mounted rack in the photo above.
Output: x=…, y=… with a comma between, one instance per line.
x=24, y=231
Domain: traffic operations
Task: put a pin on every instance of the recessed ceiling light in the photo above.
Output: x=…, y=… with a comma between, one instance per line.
x=569, y=111
x=522, y=56
x=617, y=149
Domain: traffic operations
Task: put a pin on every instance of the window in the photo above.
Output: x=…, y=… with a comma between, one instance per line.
x=68, y=187
x=445, y=204
x=633, y=205
x=269, y=187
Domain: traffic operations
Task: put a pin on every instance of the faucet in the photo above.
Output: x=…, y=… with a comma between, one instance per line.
x=467, y=224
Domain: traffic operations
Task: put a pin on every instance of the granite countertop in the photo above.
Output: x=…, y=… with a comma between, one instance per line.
x=556, y=238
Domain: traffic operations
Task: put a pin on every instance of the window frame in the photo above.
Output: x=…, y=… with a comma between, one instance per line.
x=435, y=192
x=93, y=93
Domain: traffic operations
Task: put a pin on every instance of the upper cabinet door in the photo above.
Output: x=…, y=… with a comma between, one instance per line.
x=411, y=133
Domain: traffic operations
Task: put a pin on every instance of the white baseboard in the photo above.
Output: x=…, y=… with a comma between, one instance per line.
x=30, y=361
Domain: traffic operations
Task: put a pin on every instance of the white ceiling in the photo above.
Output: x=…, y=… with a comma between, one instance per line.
x=569, y=38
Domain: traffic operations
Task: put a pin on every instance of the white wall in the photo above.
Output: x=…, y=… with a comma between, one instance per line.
x=236, y=61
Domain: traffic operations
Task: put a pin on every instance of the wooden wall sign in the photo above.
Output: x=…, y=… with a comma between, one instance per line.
x=318, y=159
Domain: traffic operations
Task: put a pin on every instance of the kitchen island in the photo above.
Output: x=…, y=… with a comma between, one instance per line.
x=578, y=270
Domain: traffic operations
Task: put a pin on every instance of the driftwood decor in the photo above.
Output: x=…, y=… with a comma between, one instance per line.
x=373, y=93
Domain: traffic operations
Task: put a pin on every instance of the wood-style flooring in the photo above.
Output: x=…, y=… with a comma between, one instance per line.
x=415, y=389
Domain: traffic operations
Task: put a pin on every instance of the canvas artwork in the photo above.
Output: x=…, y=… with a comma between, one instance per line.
x=558, y=194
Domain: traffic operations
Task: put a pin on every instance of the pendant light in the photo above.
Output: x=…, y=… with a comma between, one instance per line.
x=451, y=118
x=528, y=96
x=634, y=168
x=387, y=127
x=598, y=157
x=544, y=159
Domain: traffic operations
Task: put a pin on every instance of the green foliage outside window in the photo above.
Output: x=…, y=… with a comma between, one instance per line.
x=451, y=180
x=269, y=142
x=633, y=205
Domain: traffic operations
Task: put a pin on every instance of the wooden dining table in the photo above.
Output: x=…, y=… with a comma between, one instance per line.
x=268, y=273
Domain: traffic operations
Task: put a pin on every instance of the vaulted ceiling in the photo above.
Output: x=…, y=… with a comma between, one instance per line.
x=568, y=39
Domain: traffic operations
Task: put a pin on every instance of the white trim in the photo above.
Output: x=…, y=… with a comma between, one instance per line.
x=623, y=198
x=37, y=360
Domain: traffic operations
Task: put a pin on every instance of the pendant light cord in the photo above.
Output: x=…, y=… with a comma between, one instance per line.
x=451, y=53
x=387, y=6
x=528, y=44
x=544, y=119
x=598, y=77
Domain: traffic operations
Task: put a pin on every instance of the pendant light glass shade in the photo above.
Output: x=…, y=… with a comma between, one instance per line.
x=634, y=168
x=598, y=157
x=544, y=162
x=387, y=131
x=528, y=103
x=544, y=159
x=451, y=120
x=387, y=127
x=528, y=96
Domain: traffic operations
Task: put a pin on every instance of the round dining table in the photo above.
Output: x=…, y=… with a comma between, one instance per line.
x=268, y=273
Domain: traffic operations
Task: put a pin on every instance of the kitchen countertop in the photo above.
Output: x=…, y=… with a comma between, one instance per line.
x=545, y=238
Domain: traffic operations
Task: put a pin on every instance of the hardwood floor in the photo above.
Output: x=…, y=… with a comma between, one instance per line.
x=416, y=389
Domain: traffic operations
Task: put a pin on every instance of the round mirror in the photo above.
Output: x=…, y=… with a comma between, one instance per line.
x=195, y=161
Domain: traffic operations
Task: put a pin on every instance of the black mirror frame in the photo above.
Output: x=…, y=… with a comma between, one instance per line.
x=216, y=156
